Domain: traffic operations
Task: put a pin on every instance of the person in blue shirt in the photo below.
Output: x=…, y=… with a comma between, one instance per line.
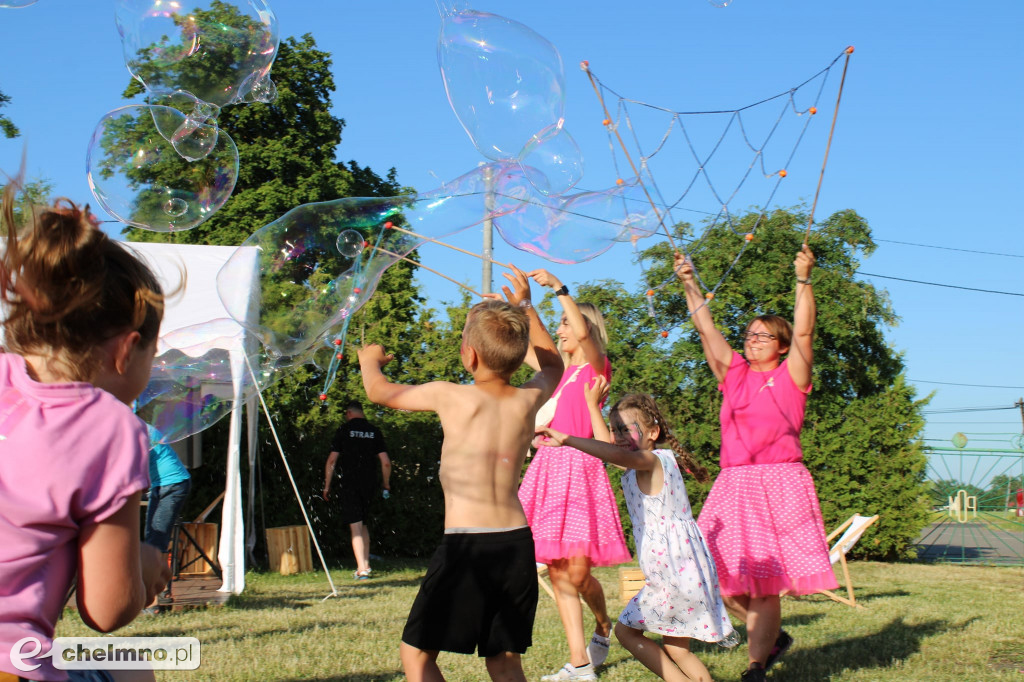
x=169, y=485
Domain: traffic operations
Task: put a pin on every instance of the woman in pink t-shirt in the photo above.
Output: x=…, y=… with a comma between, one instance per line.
x=761, y=520
x=566, y=495
x=80, y=325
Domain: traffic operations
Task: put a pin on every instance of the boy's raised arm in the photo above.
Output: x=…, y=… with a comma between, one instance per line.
x=415, y=398
x=543, y=354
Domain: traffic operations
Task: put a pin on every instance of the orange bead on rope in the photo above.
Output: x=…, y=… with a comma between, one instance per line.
x=749, y=237
x=783, y=173
x=323, y=396
x=813, y=110
x=337, y=342
x=664, y=335
x=388, y=225
x=620, y=181
x=606, y=122
x=650, y=292
x=710, y=295
x=849, y=50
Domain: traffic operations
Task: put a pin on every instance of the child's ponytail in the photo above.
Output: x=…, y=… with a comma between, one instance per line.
x=67, y=287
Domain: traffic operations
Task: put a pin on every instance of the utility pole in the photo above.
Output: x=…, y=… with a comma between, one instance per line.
x=485, y=285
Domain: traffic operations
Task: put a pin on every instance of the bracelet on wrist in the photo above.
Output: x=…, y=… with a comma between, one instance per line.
x=804, y=281
x=562, y=291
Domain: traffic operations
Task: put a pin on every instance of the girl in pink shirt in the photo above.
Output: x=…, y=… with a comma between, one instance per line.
x=81, y=317
x=761, y=520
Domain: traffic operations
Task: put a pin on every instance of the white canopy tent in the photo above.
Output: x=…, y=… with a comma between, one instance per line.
x=199, y=309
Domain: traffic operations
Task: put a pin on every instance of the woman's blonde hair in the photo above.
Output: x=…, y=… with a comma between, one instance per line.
x=595, y=327
x=650, y=416
x=67, y=287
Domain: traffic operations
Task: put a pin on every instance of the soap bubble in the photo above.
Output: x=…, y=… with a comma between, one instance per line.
x=576, y=228
x=319, y=263
x=505, y=82
x=552, y=161
x=217, y=50
x=311, y=276
x=16, y=4
x=130, y=154
x=195, y=376
x=350, y=243
x=506, y=85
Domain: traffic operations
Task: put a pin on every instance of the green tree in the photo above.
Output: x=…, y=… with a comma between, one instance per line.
x=6, y=126
x=862, y=427
x=287, y=158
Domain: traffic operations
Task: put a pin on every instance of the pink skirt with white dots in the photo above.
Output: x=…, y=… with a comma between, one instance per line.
x=763, y=526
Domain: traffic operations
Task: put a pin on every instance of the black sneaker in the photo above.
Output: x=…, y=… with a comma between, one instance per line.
x=782, y=644
x=753, y=675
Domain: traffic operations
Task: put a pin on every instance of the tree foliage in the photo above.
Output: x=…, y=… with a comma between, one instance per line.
x=7, y=127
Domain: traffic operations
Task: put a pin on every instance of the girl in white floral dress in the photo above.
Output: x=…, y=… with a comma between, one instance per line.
x=680, y=600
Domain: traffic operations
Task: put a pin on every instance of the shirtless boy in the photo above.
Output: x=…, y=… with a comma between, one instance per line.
x=480, y=590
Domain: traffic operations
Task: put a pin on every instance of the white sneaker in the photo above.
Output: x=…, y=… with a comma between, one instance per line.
x=597, y=650
x=570, y=672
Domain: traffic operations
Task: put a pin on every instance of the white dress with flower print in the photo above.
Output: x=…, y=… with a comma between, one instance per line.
x=680, y=597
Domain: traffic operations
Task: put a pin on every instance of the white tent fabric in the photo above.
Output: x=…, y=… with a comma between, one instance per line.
x=199, y=308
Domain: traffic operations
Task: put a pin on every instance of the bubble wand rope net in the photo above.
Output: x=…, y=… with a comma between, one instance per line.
x=828, y=145
x=607, y=117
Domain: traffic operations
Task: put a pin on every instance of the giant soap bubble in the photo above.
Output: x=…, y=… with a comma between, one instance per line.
x=217, y=50
x=319, y=263
x=15, y=4
x=138, y=174
x=506, y=85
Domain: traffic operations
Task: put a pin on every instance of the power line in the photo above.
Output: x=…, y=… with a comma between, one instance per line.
x=954, y=410
x=950, y=248
x=947, y=383
x=936, y=284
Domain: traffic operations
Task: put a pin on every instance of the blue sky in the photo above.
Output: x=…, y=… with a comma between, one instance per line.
x=927, y=147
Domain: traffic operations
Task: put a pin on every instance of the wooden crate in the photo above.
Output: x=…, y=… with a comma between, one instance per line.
x=631, y=579
x=191, y=562
x=288, y=549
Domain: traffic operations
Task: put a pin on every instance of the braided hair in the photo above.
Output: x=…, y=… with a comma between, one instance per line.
x=650, y=417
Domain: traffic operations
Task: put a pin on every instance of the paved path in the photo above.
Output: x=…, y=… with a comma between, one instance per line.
x=973, y=541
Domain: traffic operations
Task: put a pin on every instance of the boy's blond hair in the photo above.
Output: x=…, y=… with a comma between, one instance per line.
x=499, y=333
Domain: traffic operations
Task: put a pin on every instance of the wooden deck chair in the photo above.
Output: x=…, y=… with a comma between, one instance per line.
x=851, y=529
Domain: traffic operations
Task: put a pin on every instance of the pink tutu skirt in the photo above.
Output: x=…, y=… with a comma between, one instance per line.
x=763, y=526
x=571, y=508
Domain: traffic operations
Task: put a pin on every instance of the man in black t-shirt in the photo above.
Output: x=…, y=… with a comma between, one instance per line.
x=356, y=448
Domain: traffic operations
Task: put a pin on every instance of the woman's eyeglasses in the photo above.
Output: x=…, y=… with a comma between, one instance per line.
x=759, y=336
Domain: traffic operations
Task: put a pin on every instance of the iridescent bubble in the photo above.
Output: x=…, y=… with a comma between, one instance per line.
x=572, y=229
x=504, y=82
x=350, y=243
x=16, y=4
x=309, y=286
x=129, y=157
x=263, y=90
x=175, y=207
x=217, y=50
x=195, y=377
x=552, y=161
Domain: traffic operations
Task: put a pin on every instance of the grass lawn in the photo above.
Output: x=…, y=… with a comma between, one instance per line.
x=919, y=622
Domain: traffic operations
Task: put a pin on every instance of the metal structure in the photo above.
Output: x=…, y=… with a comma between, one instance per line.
x=977, y=504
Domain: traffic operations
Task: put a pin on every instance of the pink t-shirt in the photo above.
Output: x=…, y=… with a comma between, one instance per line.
x=70, y=456
x=572, y=415
x=762, y=413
